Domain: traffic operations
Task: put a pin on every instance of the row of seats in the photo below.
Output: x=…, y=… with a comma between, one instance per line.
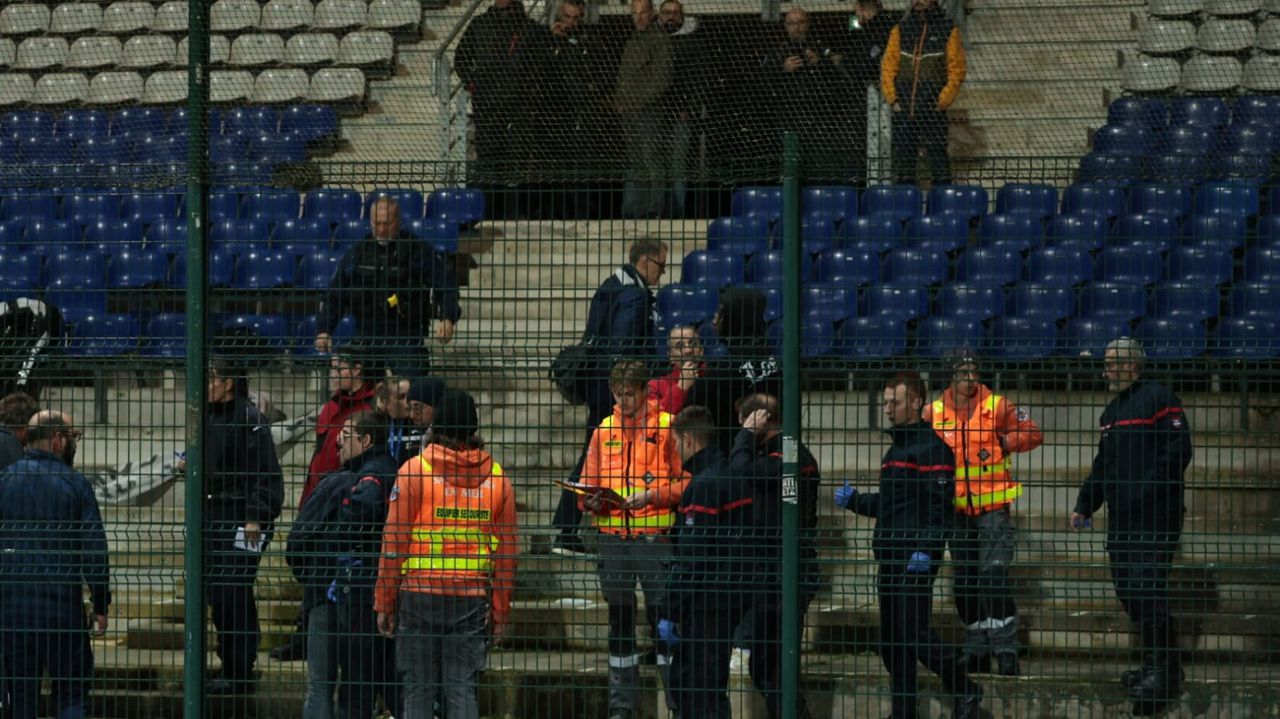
x=226, y=16
x=1219, y=8
x=1144, y=73
x=284, y=85
x=313, y=122
x=1196, y=140
x=1155, y=113
x=267, y=147
x=162, y=336
x=1160, y=36
x=363, y=49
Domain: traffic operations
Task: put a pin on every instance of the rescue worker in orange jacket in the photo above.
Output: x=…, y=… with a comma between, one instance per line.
x=633, y=454
x=448, y=564
x=983, y=429
x=921, y=73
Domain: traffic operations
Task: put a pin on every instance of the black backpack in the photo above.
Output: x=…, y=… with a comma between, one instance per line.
x=306, y=549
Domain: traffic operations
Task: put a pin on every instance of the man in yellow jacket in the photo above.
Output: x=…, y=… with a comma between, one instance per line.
x=920, y=75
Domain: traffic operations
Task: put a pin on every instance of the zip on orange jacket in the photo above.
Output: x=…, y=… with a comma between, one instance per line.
x=631, y=456
x=923, y=68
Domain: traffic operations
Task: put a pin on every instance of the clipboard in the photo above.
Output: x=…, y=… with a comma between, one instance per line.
x=603, y=493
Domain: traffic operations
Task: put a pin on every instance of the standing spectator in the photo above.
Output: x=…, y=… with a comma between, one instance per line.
x=495, y=63
x=983, y=429
x=244, y=491
x=712, y=567
x=804, y=85
x=1138, y=472
x=425, y=394
x=448, y=565
x=684, y=349
x=757, y=457
x=920, y=76
x=644, y=77
x=620, y=323
x=52, y=545
x=393, y=401
x=863, y=48
x=16, y=409
x=632, y=454
x=394, y=286
x=686, y=98
x=353, y=379
x=914, y=514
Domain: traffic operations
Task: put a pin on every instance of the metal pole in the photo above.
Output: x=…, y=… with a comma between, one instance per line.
x=197, y=187
x=791, y=257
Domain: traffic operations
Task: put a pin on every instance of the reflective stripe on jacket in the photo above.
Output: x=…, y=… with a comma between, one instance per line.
x=982, y=442
x=630, y=460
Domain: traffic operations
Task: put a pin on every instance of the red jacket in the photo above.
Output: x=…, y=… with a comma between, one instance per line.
x=333, y=415
x=666, y=391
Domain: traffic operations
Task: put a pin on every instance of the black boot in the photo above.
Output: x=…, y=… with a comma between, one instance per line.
x=966, y=705
x=1157, y=688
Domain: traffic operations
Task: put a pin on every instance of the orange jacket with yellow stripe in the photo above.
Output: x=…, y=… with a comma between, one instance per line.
x=636, y=456
x=923, y=65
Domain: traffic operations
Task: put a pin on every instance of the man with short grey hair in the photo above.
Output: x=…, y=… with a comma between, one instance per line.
x=1138, y=472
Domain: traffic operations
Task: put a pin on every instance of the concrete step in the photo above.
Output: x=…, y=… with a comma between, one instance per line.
x=991, y=29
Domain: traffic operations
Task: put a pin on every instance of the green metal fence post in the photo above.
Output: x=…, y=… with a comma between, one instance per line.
x=791, y=249
x=197, y=187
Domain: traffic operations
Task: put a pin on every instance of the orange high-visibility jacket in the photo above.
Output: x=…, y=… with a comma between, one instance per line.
x=636, y=459
x=982, y=442
x=451, y=529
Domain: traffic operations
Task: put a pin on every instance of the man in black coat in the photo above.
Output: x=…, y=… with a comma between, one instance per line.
x=914, y=512
x=1138, y=472
x=16, y=409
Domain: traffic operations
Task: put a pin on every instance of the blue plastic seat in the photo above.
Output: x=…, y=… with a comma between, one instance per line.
x=276, y=149
x=1200, y=265
x=817, y=233
x=1249, y=140
x=817, y=337
x=1138, y=265
x=900, y=201
x=272, y=205
x=149, y=207
x=1255, y=299
x=967, y=299
x=1262, y=264
x=349, y=232
x=740, y=235
x=220, y=269
x=315, y=271
x=411, y=203
x=949, y=232
x=1084, y=229
x=763, y=202
x=940, y=336
x=1269, y=229
x=105, y=150
x=264, y=270
x=300, y=235
x=165, y=336
x=1062, y=264
x=242, y=174
x=713, y=269
x=854, y=268
x=135, y=268
x=1239, y=199
x=312, y=122
x=1169, y=199
x=1172, y=338
x=27, y=123
x=1039, y=200
x=10, y=158
x=687, y=304
x=994, y=265
x=910, y=266
x=222, y=205
x=19, y=274
x=13, y=235
x=77, y=125
x=1147, y=112
x=1122, y=169
x=53, y=234
x=772, y=301
x=872, y=338
x=463, y=205
x=1188, y=141
x=1247, y=338
x=968, y=201
x=1022, y=228
x=904, y=302
x=251, y=120
x=1113, y=299
x=77, y=280
x=228, y=149
x=1178, y=299
x=103, y=335
x=1124, y=139
x=112, y=235
x=169, y=236
x=332, y=205
x=161, y=149
x=1171, y=167
x=1241, y=168
x=85, y=207
x=1053, y=302
x=766, y=267
x=1256, y=110
x=442, y=234
x=239, y=235
x=1088, y=337
x=1099, y=199
x=830, y=301
x=837, y=202
x=139, y=120
x=1224, y=231
x=878, y=233
x=1021, y=339
x=271, y=331
x=1197, y=110
x=29, y=206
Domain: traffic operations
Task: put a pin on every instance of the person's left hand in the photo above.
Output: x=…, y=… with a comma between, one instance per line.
x=811, y=56
x=669, y=632
x=444, y=331
x=756, y=421
x=919, y=563
x=99, y=625
x=845, y=494
x=497, y=631
x=252, y=533
x=639, y=500
x=387, y=624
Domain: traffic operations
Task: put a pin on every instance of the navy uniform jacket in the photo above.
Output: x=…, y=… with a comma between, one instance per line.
x=1138, y=471
x=52, y=544
x=760, y=463
x=243, y=480
x=10, y=448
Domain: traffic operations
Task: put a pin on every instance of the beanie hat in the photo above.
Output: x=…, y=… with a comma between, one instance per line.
x=427, y=390
x=456, y=416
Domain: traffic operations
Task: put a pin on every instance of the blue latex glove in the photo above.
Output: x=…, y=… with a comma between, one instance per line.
x=919, y=563
x=845, y=495
x=332, y=593
x=1085, y=523
x=669, y=632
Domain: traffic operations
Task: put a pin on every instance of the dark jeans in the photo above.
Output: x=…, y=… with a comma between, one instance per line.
x=229, y=577
x=645, y=185
x=366, y=663
x=982, y=553
x=764, y=639
x=926, y=130
x=62, y=652
x=441, y=645
x=1140, y=572
x=700, y=665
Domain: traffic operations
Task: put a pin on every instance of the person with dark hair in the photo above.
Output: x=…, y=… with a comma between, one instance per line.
x=686, y=100
x=914, y=513
x=684, y=350
x=425, y=394
x=353, y=379
x=244, y=492
x=448, y=566
x=16, y=409
x=804, y=84
x=52, y=545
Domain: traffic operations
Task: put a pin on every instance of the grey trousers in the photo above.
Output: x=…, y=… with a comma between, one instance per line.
x=322, y=662
x=622, y=564
x=441, y=645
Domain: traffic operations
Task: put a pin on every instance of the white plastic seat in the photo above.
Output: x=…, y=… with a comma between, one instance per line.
x=1144, y=73
x=40, y=53
x=1271, y=7
x=147, y=51
x=164, y=88
x=8, y=52
x=336, y=85
x=219, y=51
x=61, y=88
x=1161, y=37
x=89, y=53
x=230, y=86
x=366, y=48
x=1232, y=8
x=234, y=15
x=171, y=17
x=1211, y=73
x=1174, y=8
x=279, y=15
x=339, y=15
x=75, y=18
x=1222, y=35
x=115, y=88
x=1269, y=36
x=128, y=17
x=315, y=48
x=24, y=19
x=395, y=15
x=280, y=85
x=1262, y=73
x=15, y=89
x=256, y=50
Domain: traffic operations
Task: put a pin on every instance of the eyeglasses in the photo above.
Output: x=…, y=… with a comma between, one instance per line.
x=72, y=433
x=661, y=265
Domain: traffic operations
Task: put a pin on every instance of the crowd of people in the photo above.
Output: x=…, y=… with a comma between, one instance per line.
x=576, y=105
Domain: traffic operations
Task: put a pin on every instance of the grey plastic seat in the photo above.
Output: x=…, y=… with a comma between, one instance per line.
x=1211, y=73
x=1161, y=37
x=256, y=50
x=280, y=85
x=234, y=15
x=115, y=88
x=61, y=88
x=1269, y=35
x=1262, y=73
x=75, y=18
x=1232, y=8
x=41, y=53
x=1271, y=6
x=24, y=19
x=171, y=17
x=394, y=15
x=148, y=51
x=1174, y=8
x=164, y=88
x=88, y=53
x=230, y=86
x=1223, y=35
x=337, y=85
x=219, y=51
x=15, y=89
x=281, y=15
x=8, y=52
x=333, y=15
x=1144, y=73
x=127, y=18
x=366, y=48
x=311, y=49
